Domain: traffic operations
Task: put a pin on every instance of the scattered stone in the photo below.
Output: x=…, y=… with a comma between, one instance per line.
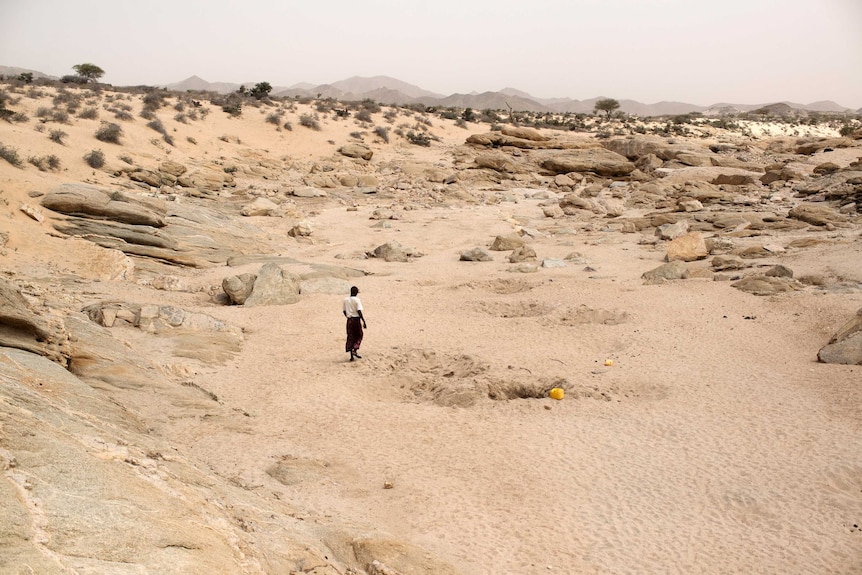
x=672, y=231
x=507, y=242
x=260, y=207
x=553, y=263
x=766, y=285
x=522, y=254
x=356, y=151
x=687, y=248
x=779, y=271
x=301, y=230
x=722, y=263
x=390, y=252
x=34, y=213
x=476, y=255
x=238, y=288
x=674, y=270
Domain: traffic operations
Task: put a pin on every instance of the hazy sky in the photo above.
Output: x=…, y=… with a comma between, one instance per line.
x=695, y=51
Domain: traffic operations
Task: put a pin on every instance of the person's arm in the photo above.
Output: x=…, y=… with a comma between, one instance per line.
x=362, y=317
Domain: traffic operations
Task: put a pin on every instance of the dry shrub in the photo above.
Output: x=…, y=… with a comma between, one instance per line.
x=10, y=154
x=109, y=132
x=95, y=159
x=45, y=163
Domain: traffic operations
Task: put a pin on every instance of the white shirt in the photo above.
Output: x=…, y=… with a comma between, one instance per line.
x=352, y=306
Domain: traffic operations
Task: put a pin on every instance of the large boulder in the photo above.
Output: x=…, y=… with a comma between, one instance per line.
x=84, y=200
x=274, y=286
x=260, y=207
x=390, y=252
x=766, y=285
x=845, y=347
x=687, y=248
x=358, y=151
x=596, y=160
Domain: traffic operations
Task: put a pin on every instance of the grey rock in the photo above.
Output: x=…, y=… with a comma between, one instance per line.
x=476, y=255
x=766, y=285
x=274, y=286
x=507, y=243
x=670, y=271
x=238, y=288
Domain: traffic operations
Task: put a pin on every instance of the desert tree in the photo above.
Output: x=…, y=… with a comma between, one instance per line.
x=606, y=105
x=90, y=72
x=260, y=90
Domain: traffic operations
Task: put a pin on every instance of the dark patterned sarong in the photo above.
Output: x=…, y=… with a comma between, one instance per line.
x=354, y=334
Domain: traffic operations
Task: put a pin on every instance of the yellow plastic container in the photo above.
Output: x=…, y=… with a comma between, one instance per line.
x=557, y=393
x=609, y=362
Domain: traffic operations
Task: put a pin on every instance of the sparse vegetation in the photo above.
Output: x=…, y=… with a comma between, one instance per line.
x=10, y=154
x=364, y=116
x=57, y=136
x=89, y=114
x=382, y=132
x=109, y=132
x=127, y=159
x=45, y=163
x=95, y=159
x=418, y=138
x=309, y=121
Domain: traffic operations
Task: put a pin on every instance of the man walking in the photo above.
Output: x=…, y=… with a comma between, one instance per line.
x=352, y=310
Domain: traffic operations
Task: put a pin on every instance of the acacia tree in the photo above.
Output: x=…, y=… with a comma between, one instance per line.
x=260, y=90
x=90, y=72
x=607, y=105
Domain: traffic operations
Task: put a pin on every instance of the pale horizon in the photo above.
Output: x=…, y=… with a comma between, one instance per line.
x=742, y=52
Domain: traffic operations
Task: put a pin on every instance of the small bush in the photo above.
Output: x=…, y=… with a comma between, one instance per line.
x=191, y=140
x=127, y=159
x=157, y=125
x=382, y=132
x=418, y=138
x=109, y=132
x=123, y=116
x=45, y=163
x=309, y=121
x=95, y=159
x=57, y=136
x=181, y=118
x=19, y=117
x=234, y=109
x=153, y=101
x=59, y=116
x=89, y=114
x=287, y=126
x=364, y=116
x=275, y=117
x=147, y=114
x=10, y=154
x=39, y=128
x=43, y=112
x=357, y=135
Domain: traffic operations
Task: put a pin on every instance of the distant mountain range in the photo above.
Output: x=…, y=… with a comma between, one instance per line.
x=386, y=90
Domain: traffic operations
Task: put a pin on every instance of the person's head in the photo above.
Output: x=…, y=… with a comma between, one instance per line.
x=354, y=291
